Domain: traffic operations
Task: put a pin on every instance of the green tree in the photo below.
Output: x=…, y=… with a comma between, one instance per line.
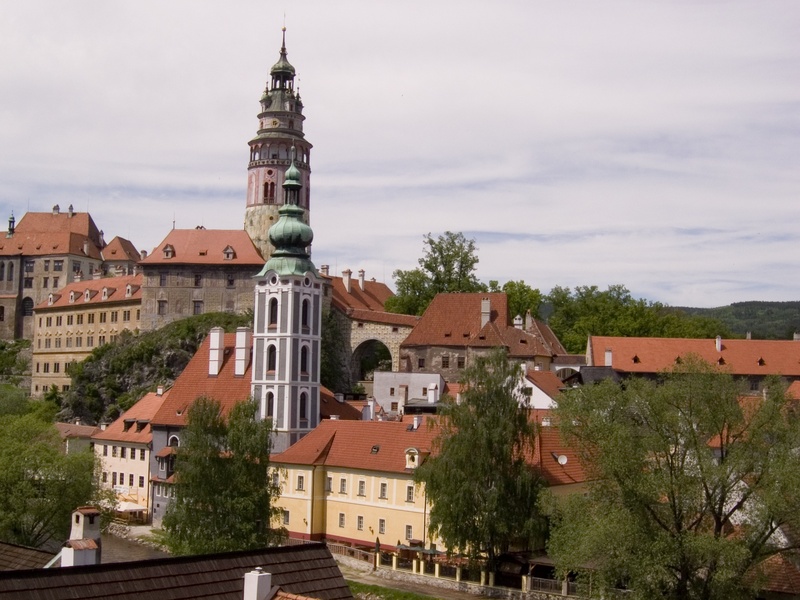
x=691, y=482
x=521, y=297
x=223, y=492
x=40, y=486
x=447, y=265
x=586, y=310
x=482, y=490
x=334, y=361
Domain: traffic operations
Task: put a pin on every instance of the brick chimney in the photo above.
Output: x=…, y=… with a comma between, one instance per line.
x=216, y=341
x=244, y=340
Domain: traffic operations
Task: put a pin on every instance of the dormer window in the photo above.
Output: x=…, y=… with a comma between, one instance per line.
x=169, y=251
x=72, y=297
x=87, y=296
x=412, y=458
x=105, y=293
x=229, y=253
x=128, y=291
x=50, y=300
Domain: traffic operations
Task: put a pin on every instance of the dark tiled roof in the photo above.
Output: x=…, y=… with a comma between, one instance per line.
x=307, y=570
x=13, y=557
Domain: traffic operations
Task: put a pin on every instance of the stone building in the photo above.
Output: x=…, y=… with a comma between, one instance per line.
x=280, y=129
x=43, y=253
x=195, y=271
x=76, y=319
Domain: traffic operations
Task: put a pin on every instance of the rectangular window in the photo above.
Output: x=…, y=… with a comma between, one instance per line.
x=126, y=316
x=341, y=519
x=141, y=454
x=79, y=319
x=198, y=280
x=424, y=391
x=114, y=451
x=78, y=341
x=276, y=479
x=76, y=266
x=460, y=362
x=70, y=319
x=122, y=478
x=445, y=362
x=114, y=478
x=130, y=480
x=343, y=486
x=162, y=307
x=329, y=484
x=45, y=282
x=46, y=264
x=29, y=266
x=231, y=281
x=123, y=451
x=162, y=279
x=409, y=532
x=362, y=488
x=391, y=391
x=105, y=477
x=105, y=450
x=48, y=321
x=360, y=523
x=102, y=317
x=382, y=526
x=421, y=363
x=138, y=313
x=57, y=366
x=46, y=368
x=58, y=342
x=90, y=318
x=55, y=282
x=141, y=481
x=114, y=316
x=286, y=517
x=301, y=482
x=58, y=321
x=197, y=307
x=394, y=407
x=101, y=339
x=47, y=342
x=384, y=488
x=410, y=493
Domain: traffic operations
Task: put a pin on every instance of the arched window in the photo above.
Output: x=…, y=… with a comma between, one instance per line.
x=304, y=315
x=304, y=359
x=2, y=313
x=304, y=407
x=27, y=307
x=272, y=358
x=270, y=404
x=174, y=441
x=273, y=312
x=2, y=270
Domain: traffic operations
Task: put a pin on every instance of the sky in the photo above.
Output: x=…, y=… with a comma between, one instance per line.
x=651, y=144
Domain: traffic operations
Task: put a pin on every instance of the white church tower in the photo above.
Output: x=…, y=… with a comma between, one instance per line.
x=287, y=324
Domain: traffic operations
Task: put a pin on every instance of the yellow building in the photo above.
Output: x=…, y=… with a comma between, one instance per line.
x=353, y=482
x=75, y=320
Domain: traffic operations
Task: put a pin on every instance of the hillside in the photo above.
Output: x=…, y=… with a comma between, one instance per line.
x=764, y=320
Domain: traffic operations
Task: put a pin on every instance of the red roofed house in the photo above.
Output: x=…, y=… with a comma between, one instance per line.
x=123, y=450
x=73, y=321
x=749, y=359
x=195, y=271
x=456, y=328
x=42, y=254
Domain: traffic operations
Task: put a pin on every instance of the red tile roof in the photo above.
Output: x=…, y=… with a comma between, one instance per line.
x=549, y=448
x=740, y=357
x=195, y=382
x=44, y=244
x=350, y=444
x=206, y=247
x=793, y=390
x=137, y=421
x=120, y=249
x=329, y=405
x=781, y=576
x=547, y=381
x=372, y=297
x=47, y=222
x=116, y=287
x=70, y=430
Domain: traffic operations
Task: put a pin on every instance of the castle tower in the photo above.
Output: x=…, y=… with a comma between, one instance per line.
x=287, y=323
x=280, y=128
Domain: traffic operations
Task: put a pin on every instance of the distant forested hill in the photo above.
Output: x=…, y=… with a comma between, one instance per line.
x=764, y=320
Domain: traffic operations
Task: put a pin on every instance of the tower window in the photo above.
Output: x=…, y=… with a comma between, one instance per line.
x=304, y=359
x=269, y=192
x=303, y=407
x=305, y=316
x=273, y=312
x=270, y=404
x=272, y=358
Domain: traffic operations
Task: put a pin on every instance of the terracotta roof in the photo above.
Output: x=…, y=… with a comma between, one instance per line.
x=47, y=222
x=780, y=574
x=120, y=249
x=71, y=430
x=195, y=382
x=115, y=286
x=328, y=406
x=372, y=297
x=206, y=247
x=308, y=570
x=136, y=420
x=375, y=316
x=364, y=445
x=547, y=381
x=13, y=557
x=47, y=243
x=166, y=451
x=740, y=357
x=549, y=448
x=542, y=330
x=794, y=390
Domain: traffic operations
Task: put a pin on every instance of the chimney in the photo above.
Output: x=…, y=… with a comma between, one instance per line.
x=71, y=211
x=334, y=417
x=718, y=343
x=143, y=254
x=486, y=311
x=244, y=340
x=339, y=397
x=56, y=210
x=257, y=585
x=796, y=337
x=528, y=320
x=371, y=404
x=84, y=544
x=361, y=279
x=160, y=390
x=86, y=247
x=216, y=337
x=518, y=322
x=76, y=276
x=346, y=279
x=749, y=335
x=417, y=421
x=609, y=357
x=98, y=274
x=324, y=269
x=433, y=393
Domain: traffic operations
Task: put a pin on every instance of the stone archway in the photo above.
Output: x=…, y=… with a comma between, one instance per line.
x=370, y=355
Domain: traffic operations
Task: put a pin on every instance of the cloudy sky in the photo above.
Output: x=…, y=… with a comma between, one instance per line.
x=653, y=144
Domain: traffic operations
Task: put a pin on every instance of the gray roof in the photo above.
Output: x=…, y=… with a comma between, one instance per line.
x=307, y=570
x=13, y=557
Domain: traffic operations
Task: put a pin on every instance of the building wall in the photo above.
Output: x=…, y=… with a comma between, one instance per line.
x=221, y=289
x=128, y=461
x=392, y=390
x=69, y=334
x=160, y=472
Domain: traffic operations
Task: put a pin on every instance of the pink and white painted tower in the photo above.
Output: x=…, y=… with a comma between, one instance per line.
x=280, y=128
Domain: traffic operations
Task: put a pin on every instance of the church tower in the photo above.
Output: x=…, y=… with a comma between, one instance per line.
x=287, y=323
x=280, y=128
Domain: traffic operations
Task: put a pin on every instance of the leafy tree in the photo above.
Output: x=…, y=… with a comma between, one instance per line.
x=691, y=482
x=334, y=361
x=483, y=492
x=521, y=297
x=40, y=486
x=447, y=265
x=586, y=310
x=223, y=494
x=13, y=365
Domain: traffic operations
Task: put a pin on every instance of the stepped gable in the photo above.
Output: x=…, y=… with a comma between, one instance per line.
x=116, y=288
x=653, y=355
x=307, y=571
x=121, y=249
x=133, y=425
x=195, y=382
x=205, y=247
x=350, y=444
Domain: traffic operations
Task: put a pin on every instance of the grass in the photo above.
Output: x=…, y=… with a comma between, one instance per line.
x=363, y=591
